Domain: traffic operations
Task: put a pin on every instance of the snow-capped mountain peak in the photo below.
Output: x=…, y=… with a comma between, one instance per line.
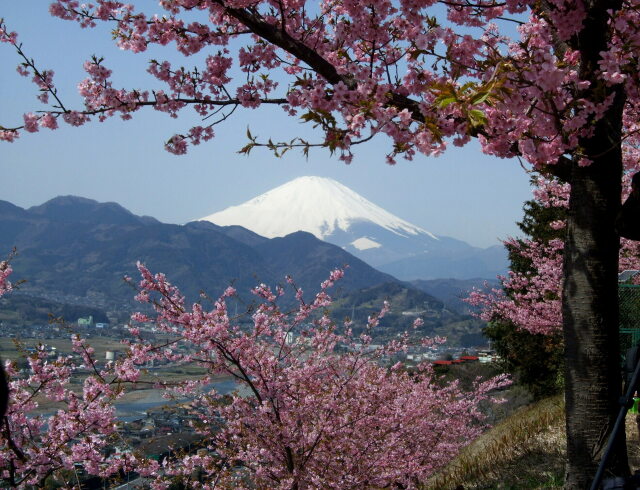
x=318, y=205
x=336, y=214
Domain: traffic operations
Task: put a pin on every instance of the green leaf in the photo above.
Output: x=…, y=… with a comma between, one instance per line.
x=480, y=98
x=443, y=102
x=310, y=116
x=415, y=53
x=246, y=149
x=477, y=118
x=467, y=86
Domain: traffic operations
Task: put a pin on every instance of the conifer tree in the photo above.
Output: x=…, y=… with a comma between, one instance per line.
x=534, y=359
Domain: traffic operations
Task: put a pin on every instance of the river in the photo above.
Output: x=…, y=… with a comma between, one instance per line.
x=129, y=410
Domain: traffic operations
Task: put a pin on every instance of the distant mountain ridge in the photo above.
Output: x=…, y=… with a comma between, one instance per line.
x=336, y=214
x=81, y=209
x=406, y=304
x=77, y=250
x=453, y=292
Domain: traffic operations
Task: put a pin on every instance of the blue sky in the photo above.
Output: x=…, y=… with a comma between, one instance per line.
x=463, y=193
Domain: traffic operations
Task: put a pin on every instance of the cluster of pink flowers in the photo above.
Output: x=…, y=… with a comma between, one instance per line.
x=321, y=409
x=35, y=446
x=532, y=301
x=5, y=272
x=521, y=91
x=317, y=415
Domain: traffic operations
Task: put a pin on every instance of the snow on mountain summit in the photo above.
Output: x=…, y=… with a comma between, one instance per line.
x=318, y=205
x=336, y=214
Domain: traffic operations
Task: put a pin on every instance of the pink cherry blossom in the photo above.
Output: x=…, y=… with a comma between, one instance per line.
x=560, y=92
x=314, y=410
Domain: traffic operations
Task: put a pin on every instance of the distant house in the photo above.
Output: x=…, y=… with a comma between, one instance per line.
x=460, y=360
x=487, y=357
x=442, y=363
x=111, y=355
x=102, y=325
x=414, y=313
x=85, y=322
x=289, y=338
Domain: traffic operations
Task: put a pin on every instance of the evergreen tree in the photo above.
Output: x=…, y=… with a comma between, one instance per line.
x=534, y=359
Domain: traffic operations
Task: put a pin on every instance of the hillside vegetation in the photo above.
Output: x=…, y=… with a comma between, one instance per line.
x=524, y=451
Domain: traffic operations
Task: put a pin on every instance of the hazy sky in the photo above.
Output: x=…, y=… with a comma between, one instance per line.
x=463, y=194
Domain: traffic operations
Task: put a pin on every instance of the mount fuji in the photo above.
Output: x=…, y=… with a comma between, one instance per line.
x=338, y=215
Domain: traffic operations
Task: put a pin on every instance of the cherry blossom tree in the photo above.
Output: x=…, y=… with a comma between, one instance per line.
x=560, y=94
x=523, y=316
x=530, y=296
x=34, y=446
x=322, y=409
x=5, y=286
x=532, y=299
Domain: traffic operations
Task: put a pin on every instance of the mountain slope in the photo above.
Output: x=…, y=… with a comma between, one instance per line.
x=81, y=210
x=306, y=258
x=84, y=262
x=408, y=303
x=469, y=263
x=452, y=292
x=77, y=251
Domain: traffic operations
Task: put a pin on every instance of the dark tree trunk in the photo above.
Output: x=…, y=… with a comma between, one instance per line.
x=590, y=305
x=590, y=290
x=4, y=393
